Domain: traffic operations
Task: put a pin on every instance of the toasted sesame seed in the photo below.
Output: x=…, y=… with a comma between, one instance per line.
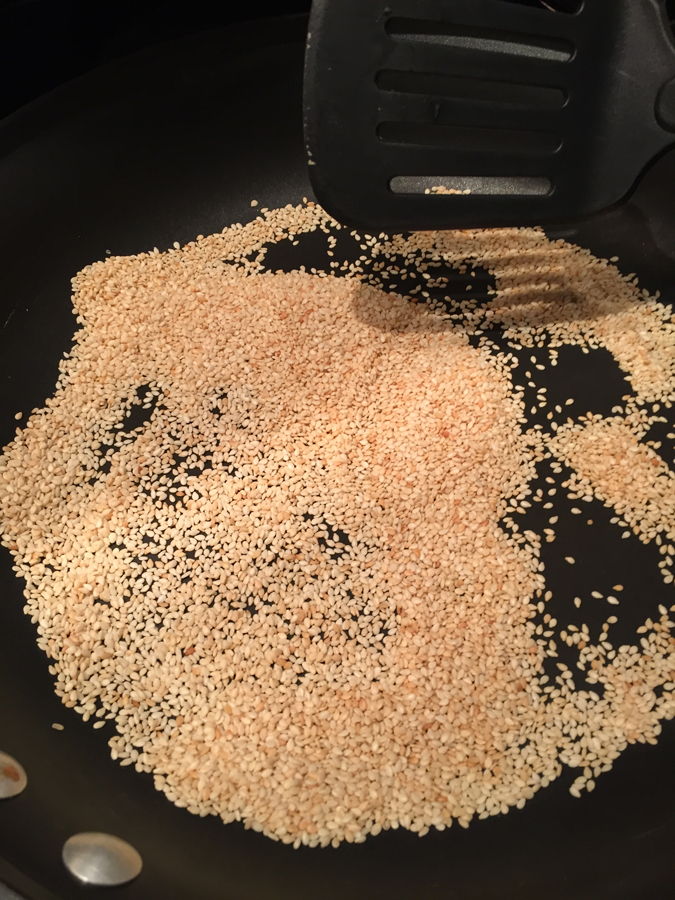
x=237, y=584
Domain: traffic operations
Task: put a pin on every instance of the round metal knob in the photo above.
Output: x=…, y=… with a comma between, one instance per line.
x=12, y=776
x=101, y=859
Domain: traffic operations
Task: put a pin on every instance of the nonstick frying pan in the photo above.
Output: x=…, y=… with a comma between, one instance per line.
x=159, y=147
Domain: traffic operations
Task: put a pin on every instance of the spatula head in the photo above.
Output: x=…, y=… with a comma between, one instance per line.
x=431, y=114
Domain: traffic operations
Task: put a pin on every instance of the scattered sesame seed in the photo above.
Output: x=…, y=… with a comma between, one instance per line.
x=57, y=726
x=570, y=560
x=237, y=584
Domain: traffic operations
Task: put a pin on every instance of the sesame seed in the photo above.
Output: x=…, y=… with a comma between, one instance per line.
x=295, y=580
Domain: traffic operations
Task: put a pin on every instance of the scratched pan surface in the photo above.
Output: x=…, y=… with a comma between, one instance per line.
x=160, y=147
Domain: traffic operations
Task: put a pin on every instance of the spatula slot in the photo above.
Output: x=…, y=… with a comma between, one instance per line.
x=458, y=185
x=484, y=40
x=457, y=87
x=470, y=140
x=563, y=6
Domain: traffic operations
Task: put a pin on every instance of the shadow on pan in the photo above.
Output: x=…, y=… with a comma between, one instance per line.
x=160, y=147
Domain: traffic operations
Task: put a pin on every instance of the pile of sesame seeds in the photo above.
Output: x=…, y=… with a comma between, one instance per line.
x=268, y=525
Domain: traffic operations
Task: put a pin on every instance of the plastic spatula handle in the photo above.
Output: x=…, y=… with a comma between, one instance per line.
x=433, y=114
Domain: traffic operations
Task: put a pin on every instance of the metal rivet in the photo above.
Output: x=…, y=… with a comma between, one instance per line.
x=101, y=859
x=12, y=776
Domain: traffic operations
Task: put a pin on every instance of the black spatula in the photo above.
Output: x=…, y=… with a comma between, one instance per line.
x=425, y=114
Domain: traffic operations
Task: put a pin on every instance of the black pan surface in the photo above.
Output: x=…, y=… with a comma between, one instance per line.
x=160, y=147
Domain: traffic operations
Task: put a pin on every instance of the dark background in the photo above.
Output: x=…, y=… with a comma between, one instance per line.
x=44, y=43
